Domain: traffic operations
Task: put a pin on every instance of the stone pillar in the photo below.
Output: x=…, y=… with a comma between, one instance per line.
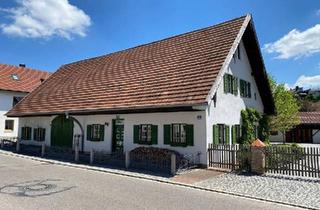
x=127, y=159
x=173, y=164
x=91, y=156
x=258, y=157
x=18, y=145
x=76, y=148
x=43, y=149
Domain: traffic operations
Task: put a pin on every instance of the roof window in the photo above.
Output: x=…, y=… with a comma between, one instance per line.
x=15, y=77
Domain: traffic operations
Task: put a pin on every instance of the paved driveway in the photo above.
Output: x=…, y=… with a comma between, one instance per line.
x=28, y=184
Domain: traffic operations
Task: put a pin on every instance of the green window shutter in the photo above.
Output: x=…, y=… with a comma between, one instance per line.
x=249, y=90
x=154, y=134
x=227, y=134
x=23, y=133
x=225, y=83
x=189, y=135
x=89, y=132
x=241, y=88
x=234, y=134
x=35, y=134
x=43, y=134
x=215, y=131
x=167, y=134
x=101, y=130
x=136, y=134
x=235, y=86
x=29, y=130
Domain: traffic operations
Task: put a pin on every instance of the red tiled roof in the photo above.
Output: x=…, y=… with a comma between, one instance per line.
x=173, y=72
x=309, y=117
x=21, y=79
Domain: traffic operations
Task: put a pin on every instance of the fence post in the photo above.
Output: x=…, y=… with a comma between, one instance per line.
x=127, y=159
x=258, y=157
x=18, y=146
x=43, y=149
x=76, y=149
x=173, y=164
x=91, y=156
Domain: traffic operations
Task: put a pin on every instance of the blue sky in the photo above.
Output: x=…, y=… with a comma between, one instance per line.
x=48, y=34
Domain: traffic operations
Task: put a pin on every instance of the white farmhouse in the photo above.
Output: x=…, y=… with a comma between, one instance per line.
x=15, y=83
x=179, y=93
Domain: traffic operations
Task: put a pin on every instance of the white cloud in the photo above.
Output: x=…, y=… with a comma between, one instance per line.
x=308, y=81
x=296, y=43
x=45, y=18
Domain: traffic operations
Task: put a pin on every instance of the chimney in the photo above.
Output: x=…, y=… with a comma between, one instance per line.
x=22, y=65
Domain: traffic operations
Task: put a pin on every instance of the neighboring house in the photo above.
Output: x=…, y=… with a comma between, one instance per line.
x=180, y=93
x=308, y=131
x=15, y=83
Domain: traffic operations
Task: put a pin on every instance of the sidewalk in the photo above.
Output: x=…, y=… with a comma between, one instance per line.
x=200, y=179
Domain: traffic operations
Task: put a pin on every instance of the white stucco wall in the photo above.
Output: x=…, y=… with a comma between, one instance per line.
x=159, y=119
x=6, y=100
x=228, y=106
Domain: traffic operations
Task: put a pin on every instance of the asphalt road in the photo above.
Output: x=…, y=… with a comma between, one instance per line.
x=28, y=184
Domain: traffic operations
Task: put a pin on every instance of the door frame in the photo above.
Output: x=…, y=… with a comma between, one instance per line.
x=113, y=142
x=71, y=130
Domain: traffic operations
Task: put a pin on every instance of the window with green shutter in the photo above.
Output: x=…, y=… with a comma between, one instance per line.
x=245, y=89
x=215, y=131
x=26, y=133
x=145, y=134
x=39, y=134
x=179, y=134
x=230, y=84
x=227, y=134
x=95, y=132
x=221, y=134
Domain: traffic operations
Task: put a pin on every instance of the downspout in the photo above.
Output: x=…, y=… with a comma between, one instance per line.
x=81, y=128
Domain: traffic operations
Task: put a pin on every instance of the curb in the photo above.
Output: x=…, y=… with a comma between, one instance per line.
x=127, y=174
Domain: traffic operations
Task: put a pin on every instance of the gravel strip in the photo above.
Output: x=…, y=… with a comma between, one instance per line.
x=297, y=191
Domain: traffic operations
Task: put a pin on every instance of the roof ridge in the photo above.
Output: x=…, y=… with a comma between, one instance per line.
x=28, y=68
x=160, y=40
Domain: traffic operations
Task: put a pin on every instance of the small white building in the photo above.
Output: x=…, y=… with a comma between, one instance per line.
x=179, y=93
x=15, y=83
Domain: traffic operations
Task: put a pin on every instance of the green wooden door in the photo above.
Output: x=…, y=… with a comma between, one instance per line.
x=62, y=132
x=117, y=135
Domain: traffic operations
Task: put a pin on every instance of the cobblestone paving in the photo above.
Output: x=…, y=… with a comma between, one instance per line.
x=298, y=191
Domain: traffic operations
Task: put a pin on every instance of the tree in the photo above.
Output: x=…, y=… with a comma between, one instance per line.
x=287, y=108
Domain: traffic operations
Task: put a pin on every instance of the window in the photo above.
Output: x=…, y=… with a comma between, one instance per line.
x=230, y=84
x=95, y=132
x=178, y=134
x=39, y=134
x=274, y=133
x=239, y=52
x=245, y=89
x=221, y=134
x=16, y=100
x=9, y=125
x=26, y=133
x=236, y=134
x=15, y=77
x=145, y=134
